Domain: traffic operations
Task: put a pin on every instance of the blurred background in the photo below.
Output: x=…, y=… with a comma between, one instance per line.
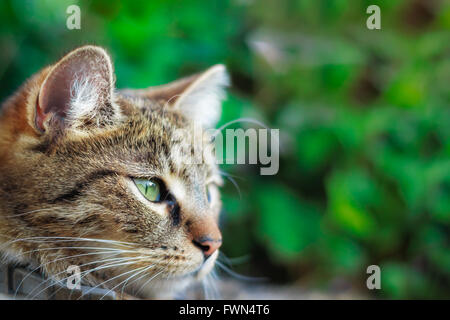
x=364, y=119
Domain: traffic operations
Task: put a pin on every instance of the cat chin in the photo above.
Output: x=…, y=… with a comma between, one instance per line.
x=207, y=266
x=171, y=288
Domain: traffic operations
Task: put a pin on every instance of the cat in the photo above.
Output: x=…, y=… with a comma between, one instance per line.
x=95, y=177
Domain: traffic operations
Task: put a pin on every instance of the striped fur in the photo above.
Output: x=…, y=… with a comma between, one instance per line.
x=71, y=179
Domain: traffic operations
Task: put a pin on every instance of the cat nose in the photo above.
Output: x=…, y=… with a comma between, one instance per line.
x=208, y=245
x=206, y=236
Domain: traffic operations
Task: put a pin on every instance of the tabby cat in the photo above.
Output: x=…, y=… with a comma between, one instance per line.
x=97, y=178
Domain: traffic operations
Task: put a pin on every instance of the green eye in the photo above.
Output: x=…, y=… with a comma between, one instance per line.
x=150, y=189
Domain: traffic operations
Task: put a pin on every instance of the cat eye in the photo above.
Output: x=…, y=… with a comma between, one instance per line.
x=211, y=192
x=150, y=189
x=208, y=194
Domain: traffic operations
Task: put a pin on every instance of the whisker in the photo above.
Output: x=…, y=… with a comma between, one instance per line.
x=148, y=281
x=207, y=289
x=154, y=276
x=82, y=274
x=102, y=283
x=235, y=185
x=137, y=279
x=232, y=261
x=142, y=269
x=239, y=276
x=226, y=174
x=53, y=279
x=205, y=293
x=59, y=259
x=214, y=277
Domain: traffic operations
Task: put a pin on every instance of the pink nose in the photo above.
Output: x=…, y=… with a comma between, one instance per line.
x=206, y=235
x=208, y=245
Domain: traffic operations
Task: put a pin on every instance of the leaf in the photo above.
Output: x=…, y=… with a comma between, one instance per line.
x=349, y=195
x=288, y=224
x=401, y=281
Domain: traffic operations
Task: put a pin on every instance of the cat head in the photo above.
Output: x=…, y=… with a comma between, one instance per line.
x=103, y=179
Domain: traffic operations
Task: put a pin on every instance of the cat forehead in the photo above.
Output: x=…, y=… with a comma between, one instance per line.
x=157, y=111
x=163, y=121
x=148, y=138
x=158, y=133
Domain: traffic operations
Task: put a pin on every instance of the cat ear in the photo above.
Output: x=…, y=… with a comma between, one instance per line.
x=77, y=91
x=201, y=101
x=198, y=97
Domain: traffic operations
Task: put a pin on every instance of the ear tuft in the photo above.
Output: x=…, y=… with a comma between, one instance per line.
x=77, y=90
x=202, y=100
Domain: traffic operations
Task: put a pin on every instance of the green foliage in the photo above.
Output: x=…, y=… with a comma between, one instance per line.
x=363, y=115
x=286, y=224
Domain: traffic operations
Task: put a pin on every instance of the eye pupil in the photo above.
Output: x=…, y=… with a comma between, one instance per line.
x=150, y=189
